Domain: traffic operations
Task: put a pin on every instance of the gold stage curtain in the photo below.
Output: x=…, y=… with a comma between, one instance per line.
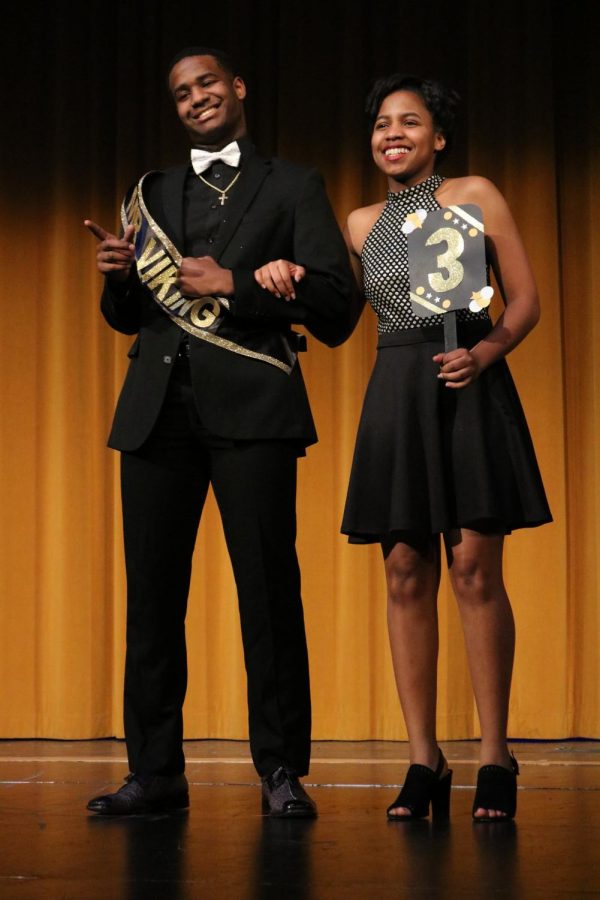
x=85, y=99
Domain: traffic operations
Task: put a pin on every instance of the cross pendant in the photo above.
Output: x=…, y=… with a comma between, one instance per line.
x=222, y=199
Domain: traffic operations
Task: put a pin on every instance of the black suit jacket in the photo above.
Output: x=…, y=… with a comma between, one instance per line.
x=277, y=210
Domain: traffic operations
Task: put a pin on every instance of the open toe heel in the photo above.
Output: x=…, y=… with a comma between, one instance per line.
x=423, y=787
x=497, y=789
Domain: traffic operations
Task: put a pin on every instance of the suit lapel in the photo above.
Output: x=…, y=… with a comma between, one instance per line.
x=170, y=215
x=254, y=171
x=172, y=204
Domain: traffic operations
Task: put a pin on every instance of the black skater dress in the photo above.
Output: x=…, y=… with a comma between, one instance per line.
x=428, y=458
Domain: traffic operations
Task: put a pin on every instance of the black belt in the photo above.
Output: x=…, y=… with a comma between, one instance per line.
x=467, y=331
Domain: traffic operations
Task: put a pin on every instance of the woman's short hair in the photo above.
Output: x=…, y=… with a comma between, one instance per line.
x=442, y=102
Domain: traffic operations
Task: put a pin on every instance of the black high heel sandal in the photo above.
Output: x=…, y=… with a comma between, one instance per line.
x=497, y=789
x=423, y=786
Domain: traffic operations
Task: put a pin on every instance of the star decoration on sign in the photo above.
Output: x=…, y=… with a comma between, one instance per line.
x=414, y=220
x=481, y=299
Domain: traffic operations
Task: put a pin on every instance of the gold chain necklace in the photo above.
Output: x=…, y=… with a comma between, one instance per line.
x=223, y=192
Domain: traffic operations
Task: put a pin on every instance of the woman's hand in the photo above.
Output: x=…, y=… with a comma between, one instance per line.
x=458, y=368
x=277, y=276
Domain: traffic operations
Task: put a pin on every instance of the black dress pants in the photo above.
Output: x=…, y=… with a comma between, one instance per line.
x=164, y=486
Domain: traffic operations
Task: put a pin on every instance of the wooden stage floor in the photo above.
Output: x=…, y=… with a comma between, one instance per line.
x=51, y=847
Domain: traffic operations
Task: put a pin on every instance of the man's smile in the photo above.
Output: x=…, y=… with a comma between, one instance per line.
x=205, y=114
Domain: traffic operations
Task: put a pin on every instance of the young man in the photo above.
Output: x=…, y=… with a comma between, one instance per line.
x=214, y=394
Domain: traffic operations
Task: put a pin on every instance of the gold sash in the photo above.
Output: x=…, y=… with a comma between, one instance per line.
x=205, y=317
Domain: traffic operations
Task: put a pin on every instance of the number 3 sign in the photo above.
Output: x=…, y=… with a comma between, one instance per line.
x=446, y=257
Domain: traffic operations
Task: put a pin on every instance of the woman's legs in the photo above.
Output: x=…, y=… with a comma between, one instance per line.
x=475, y=565
x=412, y=568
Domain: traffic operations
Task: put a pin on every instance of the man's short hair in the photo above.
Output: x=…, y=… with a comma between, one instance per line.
x=223, y=58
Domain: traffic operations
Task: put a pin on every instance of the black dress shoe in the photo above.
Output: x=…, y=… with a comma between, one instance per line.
x=154, y=793
x=284, y=797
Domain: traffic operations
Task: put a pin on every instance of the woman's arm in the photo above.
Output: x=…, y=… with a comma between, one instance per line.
x=515, y=279
x=280, y=275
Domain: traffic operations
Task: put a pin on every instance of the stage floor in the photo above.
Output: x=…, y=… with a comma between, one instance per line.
x=51, y=847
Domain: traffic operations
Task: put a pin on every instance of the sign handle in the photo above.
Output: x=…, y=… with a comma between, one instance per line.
x=450, y=340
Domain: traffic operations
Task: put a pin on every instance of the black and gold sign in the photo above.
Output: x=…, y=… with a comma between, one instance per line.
x=446, y=256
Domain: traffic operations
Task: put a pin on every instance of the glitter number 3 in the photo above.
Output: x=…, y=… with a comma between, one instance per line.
x=447, y=260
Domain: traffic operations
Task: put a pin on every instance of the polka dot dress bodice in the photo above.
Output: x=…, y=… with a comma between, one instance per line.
x=385, y=261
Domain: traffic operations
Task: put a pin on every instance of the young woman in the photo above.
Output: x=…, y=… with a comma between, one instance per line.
x=443, y=448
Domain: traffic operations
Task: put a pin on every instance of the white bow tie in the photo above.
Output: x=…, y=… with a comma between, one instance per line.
x=203, y=159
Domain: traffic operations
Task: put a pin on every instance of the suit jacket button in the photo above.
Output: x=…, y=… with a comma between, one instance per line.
x=167, y=359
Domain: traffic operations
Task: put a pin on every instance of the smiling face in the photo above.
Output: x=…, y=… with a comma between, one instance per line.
x=209, y=101
x=404, y=140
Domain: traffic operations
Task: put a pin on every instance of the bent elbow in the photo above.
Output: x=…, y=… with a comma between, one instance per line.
x=535, y=313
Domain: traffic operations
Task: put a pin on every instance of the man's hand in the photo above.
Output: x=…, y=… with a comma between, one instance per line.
x=202, y=276
x=276, y=277
x=457, y=368
x=114, y=256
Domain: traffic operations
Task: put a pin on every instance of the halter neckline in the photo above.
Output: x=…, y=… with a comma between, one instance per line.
x=428, y=186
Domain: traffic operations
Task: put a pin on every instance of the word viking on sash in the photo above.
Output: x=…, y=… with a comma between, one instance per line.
x=158, y=261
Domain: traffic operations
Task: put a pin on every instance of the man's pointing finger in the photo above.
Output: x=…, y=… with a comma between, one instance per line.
x=97, y=230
